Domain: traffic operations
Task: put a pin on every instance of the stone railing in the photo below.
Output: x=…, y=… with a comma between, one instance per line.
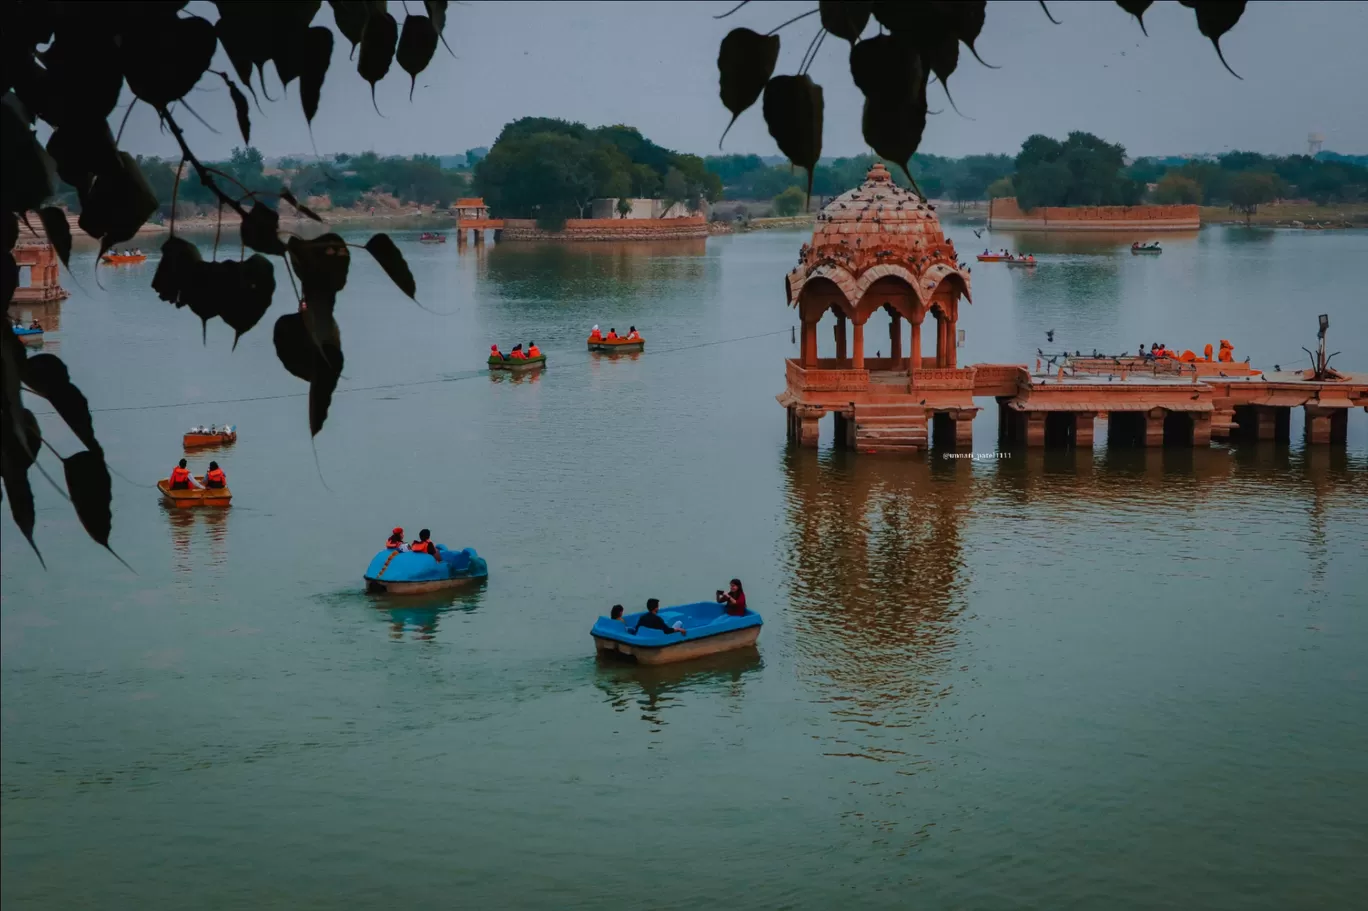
x=591, y=229
x=818, y=379
x=943, y=378
x=998, y=379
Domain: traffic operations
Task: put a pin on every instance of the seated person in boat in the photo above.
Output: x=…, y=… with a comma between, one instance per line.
x=35, y=325
x=396, y=540
x=616, y=614
x=633, y=335
x=595, y=334
x=215, y=477
x=181, y=479
x=651, y=619
x=533, y=350
x=734, y=599
x=495, y=352
x=424, y=545
x=517, y=353
x=612, y=335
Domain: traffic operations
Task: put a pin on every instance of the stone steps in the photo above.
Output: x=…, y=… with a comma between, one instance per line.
x=890, y=426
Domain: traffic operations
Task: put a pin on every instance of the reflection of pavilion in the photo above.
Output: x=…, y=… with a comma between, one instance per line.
x=878, y=247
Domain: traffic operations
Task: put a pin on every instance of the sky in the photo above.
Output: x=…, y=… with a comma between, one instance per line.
x=653, y=65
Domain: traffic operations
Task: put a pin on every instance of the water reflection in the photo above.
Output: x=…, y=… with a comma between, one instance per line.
x=191, y=530
x=589, y=271
x=516, y=376
x=418, y=615
x=652, y=691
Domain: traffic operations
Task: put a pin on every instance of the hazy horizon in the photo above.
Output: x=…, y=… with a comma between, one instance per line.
x=653, y=66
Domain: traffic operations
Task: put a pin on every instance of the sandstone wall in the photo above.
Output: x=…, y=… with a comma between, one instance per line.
x=1005, y=213
x=593, y=229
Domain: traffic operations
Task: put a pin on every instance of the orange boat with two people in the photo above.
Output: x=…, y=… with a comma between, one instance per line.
x=214, y=435
x=125, y=257
x=612, y=343
x=182, y=491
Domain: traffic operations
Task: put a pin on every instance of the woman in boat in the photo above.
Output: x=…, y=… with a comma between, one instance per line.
x=495, y=352
x=517, y=353
x=651, y=619
x=595, y=334
x=396, y=540
x=215, y=477
x=35, y=325
x=612, y=335
x=633, y=335
x=734, y=599
x=616, y=614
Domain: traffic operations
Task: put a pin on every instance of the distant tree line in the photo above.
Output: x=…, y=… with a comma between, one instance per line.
x=551, y=170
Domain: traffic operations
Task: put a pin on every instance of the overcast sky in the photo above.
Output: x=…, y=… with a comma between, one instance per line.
x=653, y=65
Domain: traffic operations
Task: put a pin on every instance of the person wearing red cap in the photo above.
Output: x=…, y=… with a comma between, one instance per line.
x=396, y=540
x=495, y=352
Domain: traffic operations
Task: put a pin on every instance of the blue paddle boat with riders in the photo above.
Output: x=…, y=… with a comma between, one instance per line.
x=404, y=572
x=695, y=630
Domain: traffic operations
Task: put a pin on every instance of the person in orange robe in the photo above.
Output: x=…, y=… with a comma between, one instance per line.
x=533, y=350
x=1207, y=351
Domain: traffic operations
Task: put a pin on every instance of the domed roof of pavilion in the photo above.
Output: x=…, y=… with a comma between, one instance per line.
x=874, y=231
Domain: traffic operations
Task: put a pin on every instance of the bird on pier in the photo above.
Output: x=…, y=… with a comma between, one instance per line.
x=1277, y=367
x=1222, y=372
x=1039, y=352
x=1049, y=335
x=1195, y=396
x=922, y=402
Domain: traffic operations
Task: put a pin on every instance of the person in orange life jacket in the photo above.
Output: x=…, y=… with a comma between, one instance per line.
x=517, y=353
x=424, y=546
x=533, y=350
x=651, y=620
x=215, y=477
x=495, y=352
x=633, y=334
x=180, y=477
x=595, y=334
x=612, y=335
x=395, y=540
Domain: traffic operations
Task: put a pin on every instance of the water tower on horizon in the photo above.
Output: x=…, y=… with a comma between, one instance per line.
x=1314, y=143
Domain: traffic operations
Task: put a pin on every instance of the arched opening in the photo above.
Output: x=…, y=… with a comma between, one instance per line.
x=1178, y=429
x=891, y=314
x=1126, y=428
x=818, y=297
x=1059, y=429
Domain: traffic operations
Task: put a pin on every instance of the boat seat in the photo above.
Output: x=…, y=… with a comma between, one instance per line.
x=459, y=559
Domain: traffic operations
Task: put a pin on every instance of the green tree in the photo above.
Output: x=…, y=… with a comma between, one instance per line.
x=1175, y=189
x=624, y=207
x=790, y=202
x=1250, y=189
x=1000, y=187
x=675, y=188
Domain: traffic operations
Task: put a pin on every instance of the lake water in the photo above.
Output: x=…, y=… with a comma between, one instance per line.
x=1109, y=679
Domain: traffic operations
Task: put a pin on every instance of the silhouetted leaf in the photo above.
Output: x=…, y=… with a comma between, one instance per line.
x=246, y=42
x=392, y=261
x=47, y=376
x=328, y=369
x=351, y=16
x=966, y=18
x=321, y=265
x=745, y=62
x=240, y=105
x=437, y=12
x=898, y=15
x=315, y=53
x=81, y=150
x=261, y=230
x=1047, y=12
x=88, y=483
x=83, y=74
x=893, y=125
x=377, y=49
x=19, y=442
x=58, y=231
x=293, y=346
x=165, y=56
x=793, y=113
x=119, y=203
x=845, y=18
x=417, y=44
x=253, y=285
x=9, y=280
x=174, y=275
x=1214, y=19
x=27, y=169
x=1137, y=9
x=940, y=54
x=887, y=68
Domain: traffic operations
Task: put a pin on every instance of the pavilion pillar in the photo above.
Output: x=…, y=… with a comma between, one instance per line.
x=809, y=349
x=808, y=429
x=1035, y=428
x=859, y=345
x=914, y=355
x=1201, y=429
x=1154, y=427
x=1084, y=425
x=479, y=237
x=951, y=343
x=1326, y=425
x=840, y=331
x=895, y=336
x=942, y=354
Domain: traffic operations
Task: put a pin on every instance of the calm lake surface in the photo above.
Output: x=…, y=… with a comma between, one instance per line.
x=1109, y=679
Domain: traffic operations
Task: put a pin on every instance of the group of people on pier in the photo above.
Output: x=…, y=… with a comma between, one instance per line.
x=1159, y=350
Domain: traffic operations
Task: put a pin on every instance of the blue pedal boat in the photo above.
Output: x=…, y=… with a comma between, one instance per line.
x=28, y=336
x=708, y=629
x=402, y=573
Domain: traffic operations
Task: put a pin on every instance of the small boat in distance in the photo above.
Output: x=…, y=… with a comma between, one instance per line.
x=398, y=572
x=708, y=630
x=119, y=259
x=194, y=496
x=617, y=345
x=197, y=437
x=991, y=258
x=1021, y=261
x=29, y=335
x=432, y=237
x=1138, y=248
x=517, y=364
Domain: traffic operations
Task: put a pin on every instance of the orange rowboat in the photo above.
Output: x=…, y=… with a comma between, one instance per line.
x=617, y=344
x=122, y=259
x=195, y=440
x=991, y=258
x=194, y=496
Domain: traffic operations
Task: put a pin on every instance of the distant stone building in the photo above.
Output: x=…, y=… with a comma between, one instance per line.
x=642, y=208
